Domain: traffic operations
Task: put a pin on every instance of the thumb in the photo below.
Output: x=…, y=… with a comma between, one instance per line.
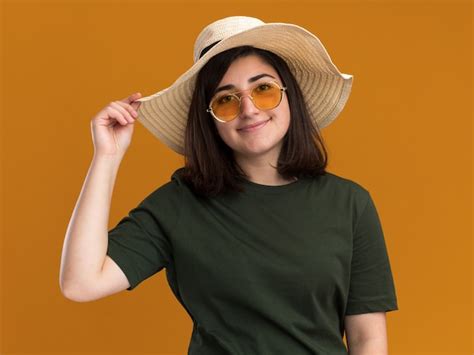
x=131, y=98
x=133, y=103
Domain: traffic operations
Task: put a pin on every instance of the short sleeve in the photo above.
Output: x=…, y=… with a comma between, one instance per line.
x=140, y=243
x=372, y=287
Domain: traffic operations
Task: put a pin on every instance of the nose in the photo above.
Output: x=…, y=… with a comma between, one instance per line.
x=247, y=107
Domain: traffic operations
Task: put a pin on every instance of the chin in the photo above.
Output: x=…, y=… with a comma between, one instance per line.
x=257, y=150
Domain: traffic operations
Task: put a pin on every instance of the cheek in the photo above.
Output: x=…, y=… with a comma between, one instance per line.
x=283, y=117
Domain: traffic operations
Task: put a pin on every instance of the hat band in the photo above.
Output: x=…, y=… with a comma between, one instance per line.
x=207, y=48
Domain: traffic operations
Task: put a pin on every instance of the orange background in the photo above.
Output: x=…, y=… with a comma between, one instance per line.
x=405, y=134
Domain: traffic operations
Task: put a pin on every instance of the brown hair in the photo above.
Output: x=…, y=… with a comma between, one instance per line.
x=210, y=168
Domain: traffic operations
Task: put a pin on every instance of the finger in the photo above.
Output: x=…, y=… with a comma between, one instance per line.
x=115, y=114
x=129, y=109
x=123, y=111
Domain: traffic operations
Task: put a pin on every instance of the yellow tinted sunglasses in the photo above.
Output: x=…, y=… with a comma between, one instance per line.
x=265, y=96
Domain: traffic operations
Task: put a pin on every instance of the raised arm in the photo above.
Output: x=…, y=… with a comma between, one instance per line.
x=86, y=272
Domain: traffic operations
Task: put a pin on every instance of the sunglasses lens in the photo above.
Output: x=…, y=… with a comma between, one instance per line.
x=265, y=97
x=226, y=107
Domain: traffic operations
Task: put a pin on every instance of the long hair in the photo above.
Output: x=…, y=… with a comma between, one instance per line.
x=210, y=168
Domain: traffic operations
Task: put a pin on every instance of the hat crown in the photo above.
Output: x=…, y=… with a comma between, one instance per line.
x=223, y=28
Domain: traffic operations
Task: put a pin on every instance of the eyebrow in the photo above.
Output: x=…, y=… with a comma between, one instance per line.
x=251, y=80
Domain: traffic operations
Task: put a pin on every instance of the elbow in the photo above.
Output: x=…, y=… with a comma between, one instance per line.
x=73, y=293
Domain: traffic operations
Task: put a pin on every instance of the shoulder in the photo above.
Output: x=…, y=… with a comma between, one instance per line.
x=344, y=183
x=348, y=190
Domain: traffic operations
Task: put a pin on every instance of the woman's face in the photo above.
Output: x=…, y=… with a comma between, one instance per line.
x=267, y=139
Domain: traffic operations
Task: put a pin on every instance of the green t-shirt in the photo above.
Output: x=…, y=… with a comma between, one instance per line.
x=270, y=271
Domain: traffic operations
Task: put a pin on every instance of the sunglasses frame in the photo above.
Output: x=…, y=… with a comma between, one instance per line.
x=209, y=109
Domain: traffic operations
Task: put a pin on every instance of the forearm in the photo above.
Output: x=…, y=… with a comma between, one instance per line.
x=85, y=244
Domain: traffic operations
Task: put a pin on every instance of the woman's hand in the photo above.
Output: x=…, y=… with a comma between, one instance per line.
x=112, y=127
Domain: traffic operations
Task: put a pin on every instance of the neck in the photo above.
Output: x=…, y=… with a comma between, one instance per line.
x=262, y=170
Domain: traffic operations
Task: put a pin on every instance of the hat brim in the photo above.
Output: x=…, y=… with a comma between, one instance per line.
x=325, y=88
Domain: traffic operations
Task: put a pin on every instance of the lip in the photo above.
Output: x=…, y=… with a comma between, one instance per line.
x=254, y=126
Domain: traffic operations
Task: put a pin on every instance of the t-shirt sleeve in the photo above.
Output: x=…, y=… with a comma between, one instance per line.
x=372, y=287
x=140, y=242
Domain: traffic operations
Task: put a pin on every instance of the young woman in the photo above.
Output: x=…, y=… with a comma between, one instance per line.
x=267, y=251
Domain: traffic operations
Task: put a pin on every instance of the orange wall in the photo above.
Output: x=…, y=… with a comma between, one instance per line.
x=405, y=134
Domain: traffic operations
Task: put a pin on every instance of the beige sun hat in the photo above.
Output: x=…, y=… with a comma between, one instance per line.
x=325, y=89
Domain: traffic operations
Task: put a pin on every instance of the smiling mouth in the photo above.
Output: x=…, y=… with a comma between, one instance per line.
x=254, y=128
